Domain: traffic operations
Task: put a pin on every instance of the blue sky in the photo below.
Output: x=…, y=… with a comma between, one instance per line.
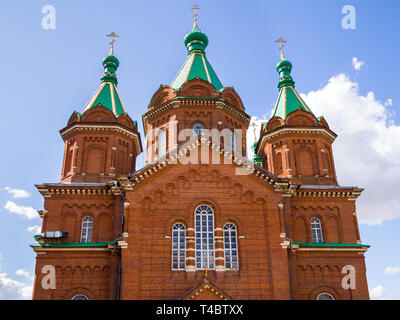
x=47, y=74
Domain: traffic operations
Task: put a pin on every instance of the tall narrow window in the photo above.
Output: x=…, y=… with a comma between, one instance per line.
x=230, y=244
x=233, y=140
x=178, y=246
x=87, y=228
x=162, y=143
x=316, y=230
x=204, y=222
x=197, y=129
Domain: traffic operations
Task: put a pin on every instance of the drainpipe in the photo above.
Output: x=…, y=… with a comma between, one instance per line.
x=121, y=237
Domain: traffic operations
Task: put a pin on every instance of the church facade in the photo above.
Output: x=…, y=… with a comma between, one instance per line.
x=199, y=220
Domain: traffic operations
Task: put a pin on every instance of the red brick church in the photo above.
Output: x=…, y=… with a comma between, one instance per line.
x=199, y=220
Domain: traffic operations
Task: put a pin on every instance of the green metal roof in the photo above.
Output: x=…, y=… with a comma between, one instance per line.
x=107, y=94
x=196, y=64
x=332, y=244
x=72, y=244
x=288, y=100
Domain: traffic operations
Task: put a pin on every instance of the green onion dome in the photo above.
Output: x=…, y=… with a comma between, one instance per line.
x=111, y=64
x=284, y=67
x=196, y=41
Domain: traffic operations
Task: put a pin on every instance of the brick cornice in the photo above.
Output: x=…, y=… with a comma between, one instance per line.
x=48, y=190
x=115, y=127
x=193, y=101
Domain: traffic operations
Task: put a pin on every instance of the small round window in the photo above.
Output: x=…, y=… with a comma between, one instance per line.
x=197, y=129
x=325, y=296
x=80, y=297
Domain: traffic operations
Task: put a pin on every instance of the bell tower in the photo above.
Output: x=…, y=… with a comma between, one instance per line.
x=196, y=101
x=294, y=143
x=101, y=142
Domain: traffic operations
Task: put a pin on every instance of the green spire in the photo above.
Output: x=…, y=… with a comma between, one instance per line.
x=196, y=64
x=288, y=100
x=107, y=94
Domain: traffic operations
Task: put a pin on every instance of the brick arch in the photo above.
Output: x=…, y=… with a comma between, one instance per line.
x=278, y=163
x=98, y=113
x=70, y=224
x=321, y=289
x=305, y=161
x=94, y=159
x=301, y=118
x=236, y=221
x=274, y=122
x=173, y=220
x=300, y=229
x=197, y=88
x=230, y=95
x=332, y=228
x=103, y=231
x=225, y=182
x=207, y=201
x=80, y=290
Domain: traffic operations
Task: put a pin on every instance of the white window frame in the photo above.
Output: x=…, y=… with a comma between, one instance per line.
x=178, y=249
x=80, y=294
x=322, y=293
x=87, y=230
x=316, y=226
x=229, y=248
x=207, y=254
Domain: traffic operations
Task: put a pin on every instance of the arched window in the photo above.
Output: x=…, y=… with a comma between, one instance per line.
x=230, y=245
x=316, y=230
x=233, y=140
x=325, y=296
x=197, y=129
x=178, y=246
x=80, y=297
x=204, y=223
x=162, y=143
x=87, y=228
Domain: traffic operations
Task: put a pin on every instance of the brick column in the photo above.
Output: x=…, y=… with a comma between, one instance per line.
x=190, y=251
x=219, y=250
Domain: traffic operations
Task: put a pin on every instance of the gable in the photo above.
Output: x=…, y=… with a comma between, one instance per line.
x=206, y=290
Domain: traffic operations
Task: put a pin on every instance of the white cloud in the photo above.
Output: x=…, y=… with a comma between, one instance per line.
x=14, y=290
x=357, y=64
x=379, y=293
x=18, y=193
x=388, y=103
x=24, y=273
x=27, y=212
x=365, y=150
x=392, y=270
x=34, y=229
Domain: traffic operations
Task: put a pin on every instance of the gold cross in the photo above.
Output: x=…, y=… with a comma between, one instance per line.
x=282, y=41
x=112, y=35
x=206, y=272
x=195, y=14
